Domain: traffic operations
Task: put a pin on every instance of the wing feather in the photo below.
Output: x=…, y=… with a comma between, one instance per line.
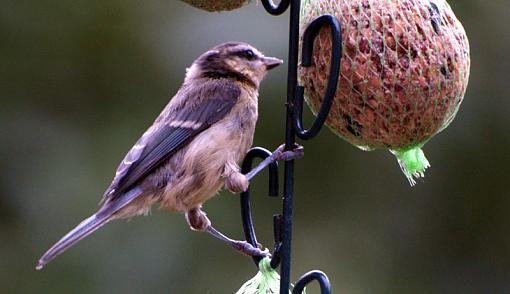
x=168, y=135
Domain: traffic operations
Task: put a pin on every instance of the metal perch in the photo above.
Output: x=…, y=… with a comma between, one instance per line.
x=281, y=255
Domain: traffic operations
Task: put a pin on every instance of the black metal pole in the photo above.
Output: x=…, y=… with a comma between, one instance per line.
x=294, y=127
x=290, y=140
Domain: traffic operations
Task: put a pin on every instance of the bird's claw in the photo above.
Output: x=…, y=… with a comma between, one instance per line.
x=250, y=250
x=280, y=154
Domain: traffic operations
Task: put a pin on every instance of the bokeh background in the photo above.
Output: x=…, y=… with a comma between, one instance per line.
x=81, y=80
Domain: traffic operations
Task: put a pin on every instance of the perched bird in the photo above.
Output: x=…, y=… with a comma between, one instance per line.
x=192, y=149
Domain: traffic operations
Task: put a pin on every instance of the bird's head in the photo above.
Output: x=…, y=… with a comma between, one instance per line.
x=233, y=60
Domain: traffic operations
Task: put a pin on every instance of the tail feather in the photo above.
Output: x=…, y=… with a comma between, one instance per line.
x=88, y=226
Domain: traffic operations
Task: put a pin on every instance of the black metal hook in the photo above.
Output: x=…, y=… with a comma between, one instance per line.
x=249, y=230
x=308, y=278
x=294, y=126
x=276, y=9
x=309, y=36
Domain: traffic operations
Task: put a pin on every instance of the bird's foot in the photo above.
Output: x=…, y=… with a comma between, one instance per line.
x=250, y=250
x=241, y=246
x=280, y=154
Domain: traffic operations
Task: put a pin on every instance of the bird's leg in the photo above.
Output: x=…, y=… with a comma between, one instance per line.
x=241, y=246
x=198, y=221
x=235, y=181
x=280, y=154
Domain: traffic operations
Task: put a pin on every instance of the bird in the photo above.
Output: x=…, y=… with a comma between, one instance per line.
x=193, y=148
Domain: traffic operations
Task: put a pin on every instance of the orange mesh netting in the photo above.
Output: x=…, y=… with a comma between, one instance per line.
x=404, y=71
x=217, y=5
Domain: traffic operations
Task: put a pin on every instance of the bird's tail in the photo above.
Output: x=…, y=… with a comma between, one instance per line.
x=88, y=226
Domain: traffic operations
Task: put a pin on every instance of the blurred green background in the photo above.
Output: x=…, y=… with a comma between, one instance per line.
x=81, y=80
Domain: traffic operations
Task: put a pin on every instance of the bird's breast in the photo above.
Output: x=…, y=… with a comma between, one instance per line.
x=198, y=175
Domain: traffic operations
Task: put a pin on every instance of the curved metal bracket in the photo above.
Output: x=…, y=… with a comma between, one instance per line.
x=294, y=127
x=249, y=230
x=309, y=36
x=276, y=9
x=310, y=277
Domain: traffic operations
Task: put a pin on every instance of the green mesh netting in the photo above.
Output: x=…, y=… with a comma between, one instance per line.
x=413, y=162
x=266, y=281
x=404, y=71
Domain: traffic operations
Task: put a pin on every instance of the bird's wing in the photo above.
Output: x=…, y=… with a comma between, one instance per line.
x=201, y=107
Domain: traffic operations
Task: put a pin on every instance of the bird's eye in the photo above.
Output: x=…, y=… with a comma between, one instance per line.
x=248, y=54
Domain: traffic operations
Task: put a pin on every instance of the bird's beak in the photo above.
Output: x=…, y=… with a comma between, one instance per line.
x=271, y=62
